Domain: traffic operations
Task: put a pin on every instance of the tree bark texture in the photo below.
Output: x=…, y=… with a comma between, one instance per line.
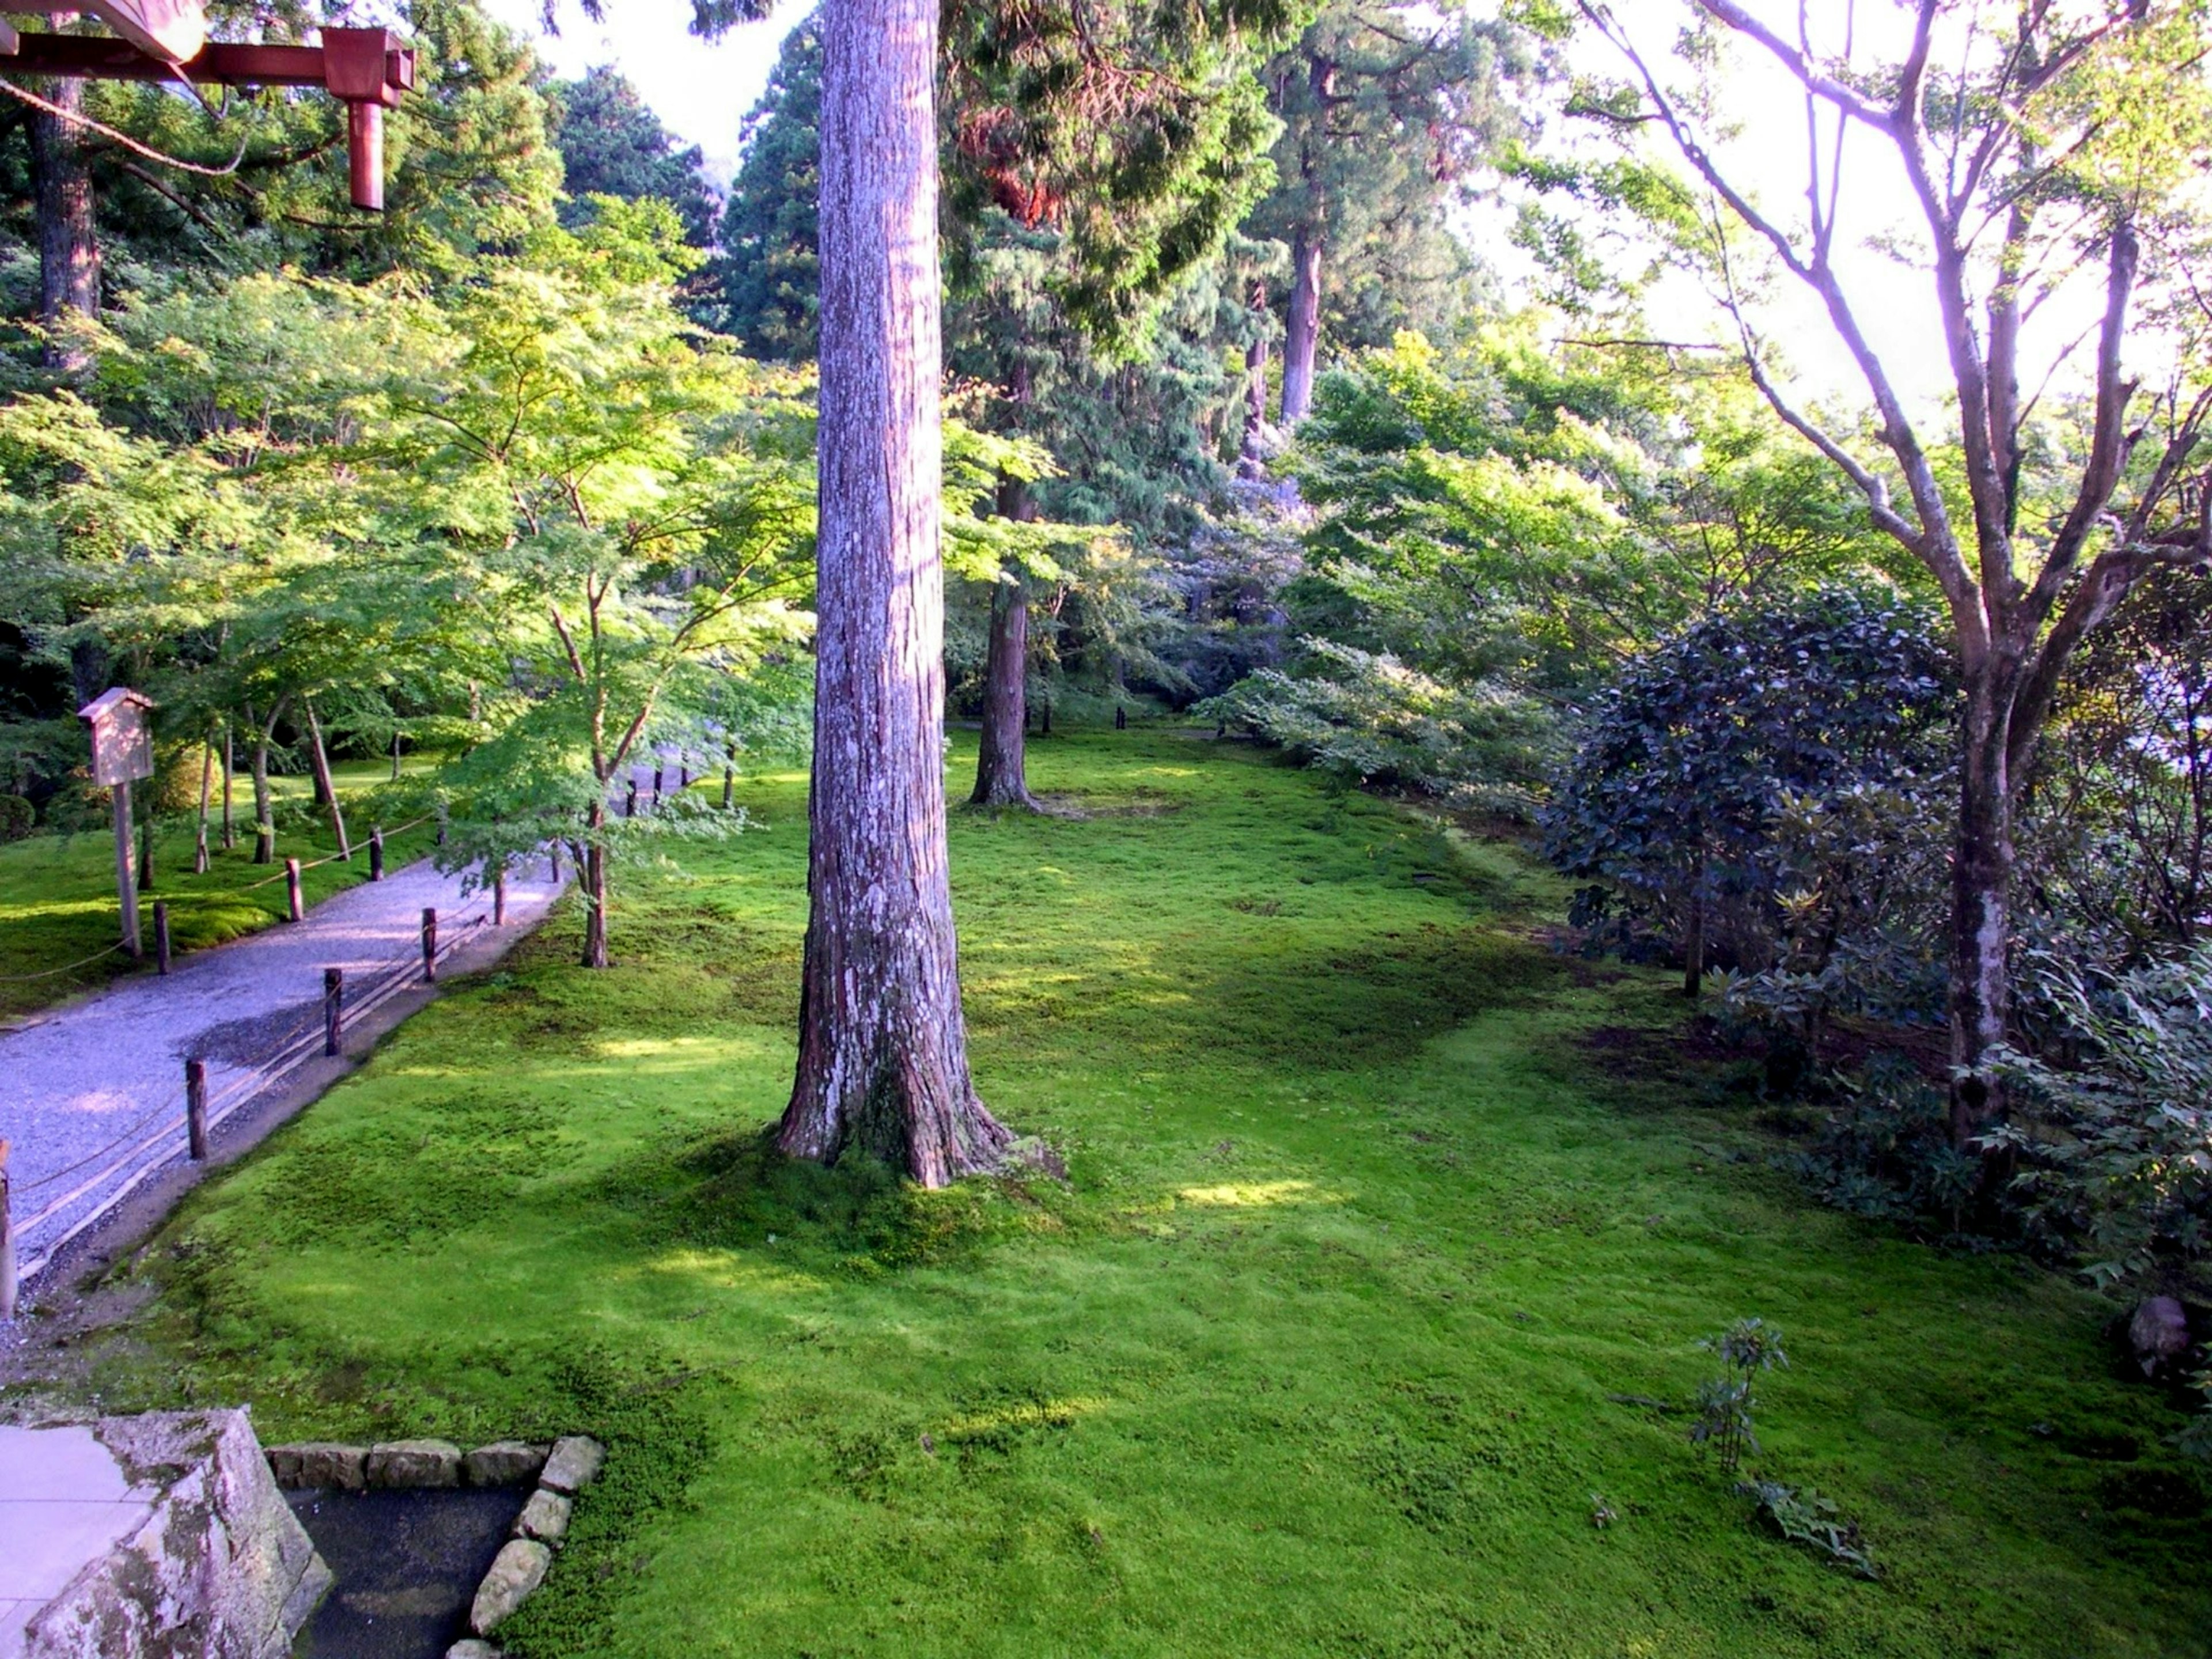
x=68, y=244
x=592, y=869
x=1981, y=919
x=1002, y=758
x=264, y=824
x=883, y=1049
x=1302, y=327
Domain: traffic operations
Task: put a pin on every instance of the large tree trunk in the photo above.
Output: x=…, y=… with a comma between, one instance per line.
x=592, y=873
x=69, y=245
x=326, y=786
x=1981, y=888
x=883, y=1050
x=1301, y=328
x=1002, y=759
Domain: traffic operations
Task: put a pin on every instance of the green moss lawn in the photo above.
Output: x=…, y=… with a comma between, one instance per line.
x=1316, y=1352
x=57, y=891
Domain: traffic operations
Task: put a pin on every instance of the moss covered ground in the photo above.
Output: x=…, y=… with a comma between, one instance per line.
x=57, y=891
x=1370, y=1261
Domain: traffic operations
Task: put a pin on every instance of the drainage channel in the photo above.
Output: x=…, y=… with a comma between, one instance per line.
x=407, y=1564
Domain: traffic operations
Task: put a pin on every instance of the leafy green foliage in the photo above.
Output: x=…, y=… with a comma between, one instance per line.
x=1801, y=1515
x=1368, y=718
x=2114, y=1149
x=1760, y=777
x=1724, y=1403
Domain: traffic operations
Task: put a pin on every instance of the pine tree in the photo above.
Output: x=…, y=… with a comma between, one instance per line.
x=611, y=143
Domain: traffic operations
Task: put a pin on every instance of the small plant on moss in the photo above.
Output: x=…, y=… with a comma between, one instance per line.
x=1803, y=1516
x=1724, y=1403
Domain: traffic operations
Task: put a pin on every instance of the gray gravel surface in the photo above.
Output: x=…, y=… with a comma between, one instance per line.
x=92, y=1095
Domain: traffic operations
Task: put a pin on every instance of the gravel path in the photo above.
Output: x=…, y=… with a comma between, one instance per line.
x=92, y=1095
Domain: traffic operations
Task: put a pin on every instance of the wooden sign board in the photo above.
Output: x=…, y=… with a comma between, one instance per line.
x=122, y=743
x=173, y=30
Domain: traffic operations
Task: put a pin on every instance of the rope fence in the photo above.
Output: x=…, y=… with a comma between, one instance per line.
x=335, y=858
x=156, y=1139
x=50, y=973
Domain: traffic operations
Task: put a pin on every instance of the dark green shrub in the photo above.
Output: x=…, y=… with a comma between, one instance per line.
x=17, y=818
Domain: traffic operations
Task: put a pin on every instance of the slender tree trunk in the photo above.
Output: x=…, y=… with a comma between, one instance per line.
x=326, y=786
x=1693, y=935
x=265, y=822
x=592, y=871
x=1301, y=328
x=1002, y=758
x=207, y=788
x=230, y=766
x=1251, y=461
x=1981, y=888
x=395, y=754
x=68, y=244
x=145, y=840
x=729, y=777
x=883, y=1049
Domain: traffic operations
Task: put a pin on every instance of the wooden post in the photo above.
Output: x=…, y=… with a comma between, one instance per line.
x=499, y=897
x=196, y=1109
x=160, y=937
x=1121, y=718
x=292, y=894
x=146, y=852
x=429, y=946
x=126, y=878
x=376, y=853
x=7, y=1246
x=333, y=1008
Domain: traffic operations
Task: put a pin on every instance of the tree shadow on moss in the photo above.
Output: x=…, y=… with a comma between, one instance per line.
x=739, y=1192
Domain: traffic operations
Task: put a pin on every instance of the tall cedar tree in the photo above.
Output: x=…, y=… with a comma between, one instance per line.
x=1386, y=118
x=2034, y=142
x=883, y=1046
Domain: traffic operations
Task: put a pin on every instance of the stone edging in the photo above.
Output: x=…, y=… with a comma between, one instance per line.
x=560, y=1472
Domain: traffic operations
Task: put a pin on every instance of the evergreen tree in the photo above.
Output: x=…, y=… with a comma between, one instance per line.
x=768, y=271
x=612, y=144
x=1385, y=118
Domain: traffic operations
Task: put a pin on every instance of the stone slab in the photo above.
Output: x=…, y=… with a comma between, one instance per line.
x=575, y=1461
x=545, y=1517
x=503, y=1463
x=518, y=1569
x=414, y=1463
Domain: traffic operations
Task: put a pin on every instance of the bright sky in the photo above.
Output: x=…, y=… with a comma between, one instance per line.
x=701, y=91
